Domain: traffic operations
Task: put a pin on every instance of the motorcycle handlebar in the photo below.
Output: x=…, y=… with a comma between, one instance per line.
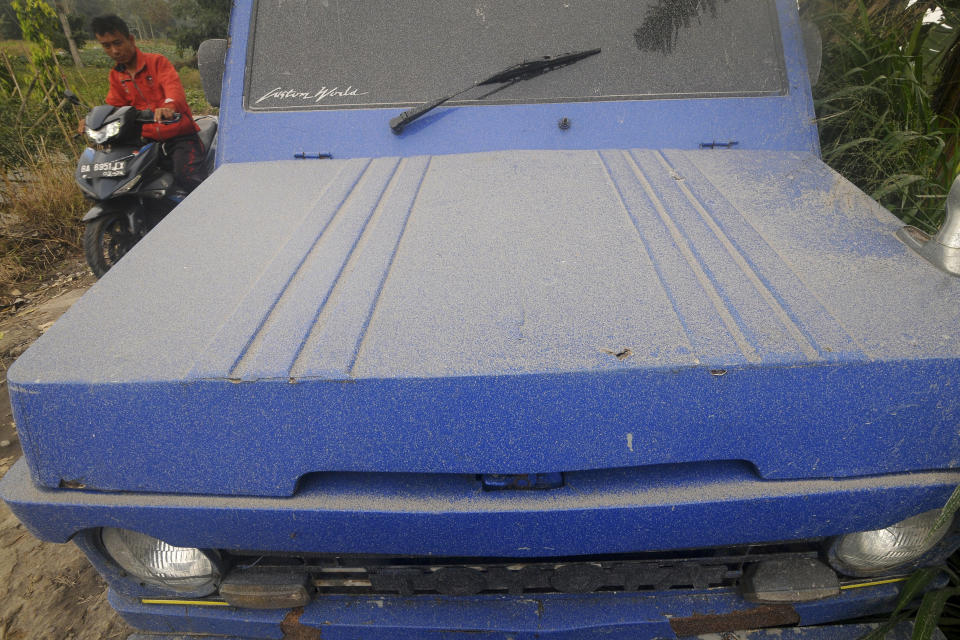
x=147, y=117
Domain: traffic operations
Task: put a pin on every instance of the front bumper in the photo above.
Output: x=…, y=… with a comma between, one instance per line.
x=620, y=511
x=610, y=616
x=672, y=508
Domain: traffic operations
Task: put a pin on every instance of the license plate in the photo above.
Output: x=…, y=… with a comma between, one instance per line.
x=111, y=169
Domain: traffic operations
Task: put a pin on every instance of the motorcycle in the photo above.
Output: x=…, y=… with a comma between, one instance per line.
x=121, y=172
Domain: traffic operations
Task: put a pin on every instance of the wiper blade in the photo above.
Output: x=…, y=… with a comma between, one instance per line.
x=514, y=73
x=532, y=68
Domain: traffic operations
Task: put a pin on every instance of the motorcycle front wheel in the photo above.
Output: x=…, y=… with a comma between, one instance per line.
x=106, y=240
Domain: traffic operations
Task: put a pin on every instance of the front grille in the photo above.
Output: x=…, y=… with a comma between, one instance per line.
x=370, y=575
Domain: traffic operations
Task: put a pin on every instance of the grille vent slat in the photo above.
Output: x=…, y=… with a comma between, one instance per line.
x=426, y=576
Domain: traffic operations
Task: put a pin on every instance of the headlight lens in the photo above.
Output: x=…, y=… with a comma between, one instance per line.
x=871, y=552
x=104, y=133
x=155, y=562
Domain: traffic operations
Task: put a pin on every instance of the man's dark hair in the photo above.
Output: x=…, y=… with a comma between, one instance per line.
x=109, y=23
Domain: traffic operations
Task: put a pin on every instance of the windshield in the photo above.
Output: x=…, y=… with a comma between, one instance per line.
x=321, y=54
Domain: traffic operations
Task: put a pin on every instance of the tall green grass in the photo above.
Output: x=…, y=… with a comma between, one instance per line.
x=875, y=107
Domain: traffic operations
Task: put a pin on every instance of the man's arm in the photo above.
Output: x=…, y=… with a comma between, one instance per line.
x=175, y=96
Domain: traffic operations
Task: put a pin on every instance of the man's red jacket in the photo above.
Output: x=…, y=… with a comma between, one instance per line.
x=151, y=82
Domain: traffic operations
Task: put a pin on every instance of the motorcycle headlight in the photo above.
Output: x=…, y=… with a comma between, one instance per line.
x=104, y=133
x=871, y=552
x=157, y=563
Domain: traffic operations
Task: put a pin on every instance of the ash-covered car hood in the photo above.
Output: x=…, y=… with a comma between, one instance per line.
x=501, y=312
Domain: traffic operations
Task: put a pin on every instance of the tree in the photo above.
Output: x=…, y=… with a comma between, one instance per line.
x=158, y=17
x=199, y=20
x=9, y=26
x=61, y=9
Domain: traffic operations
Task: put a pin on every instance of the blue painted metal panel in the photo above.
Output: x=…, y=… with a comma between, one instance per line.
x=659, y=508
x=780, y=122
x=558, y=617
x=510, y=312
x=226, y=438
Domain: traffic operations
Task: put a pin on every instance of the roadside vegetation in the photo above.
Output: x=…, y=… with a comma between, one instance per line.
x=888, y=112
x=40, y=206
x=887, y=101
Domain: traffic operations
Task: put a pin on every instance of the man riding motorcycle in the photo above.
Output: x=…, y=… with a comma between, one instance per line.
x=148, y=81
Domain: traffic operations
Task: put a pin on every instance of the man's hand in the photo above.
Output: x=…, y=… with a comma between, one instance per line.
x=163, y=113
x=82, y=127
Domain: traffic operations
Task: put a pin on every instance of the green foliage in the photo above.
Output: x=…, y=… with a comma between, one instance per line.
x=948, y=512
x=929, y=612
x=78, y=29
x=9, y=27
x=199, y=20
x=35, y=18
x=878, y=125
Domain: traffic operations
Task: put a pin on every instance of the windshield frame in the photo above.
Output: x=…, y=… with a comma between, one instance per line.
x=776, y=123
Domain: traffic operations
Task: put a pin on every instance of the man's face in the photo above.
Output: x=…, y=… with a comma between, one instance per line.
x=118, y=47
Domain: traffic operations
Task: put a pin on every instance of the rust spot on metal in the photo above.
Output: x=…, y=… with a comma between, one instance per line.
x=774, y=615
x=621, y=354
x=293, y=630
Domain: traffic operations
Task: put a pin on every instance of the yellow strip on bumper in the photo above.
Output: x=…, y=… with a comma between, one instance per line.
x=872, y=584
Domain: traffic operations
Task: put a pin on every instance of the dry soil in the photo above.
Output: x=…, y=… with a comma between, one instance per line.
x=47, y=591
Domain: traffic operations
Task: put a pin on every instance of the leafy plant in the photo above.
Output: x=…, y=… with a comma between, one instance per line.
x=35, y=18
x=878, y=123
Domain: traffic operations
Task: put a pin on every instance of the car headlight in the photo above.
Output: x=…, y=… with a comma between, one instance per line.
x=104, y=133
x=157, y=563
x=870, y=552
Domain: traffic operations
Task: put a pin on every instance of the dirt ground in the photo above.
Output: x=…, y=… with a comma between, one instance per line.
x=47, y=591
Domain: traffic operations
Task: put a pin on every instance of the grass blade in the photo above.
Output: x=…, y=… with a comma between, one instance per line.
x=929, y=612
x=947, y=513
x=914, y=586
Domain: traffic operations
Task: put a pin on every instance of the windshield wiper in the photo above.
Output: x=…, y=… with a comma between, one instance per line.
x=515, y=73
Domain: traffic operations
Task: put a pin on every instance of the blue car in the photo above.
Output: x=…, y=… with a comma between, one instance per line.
x=522, y=320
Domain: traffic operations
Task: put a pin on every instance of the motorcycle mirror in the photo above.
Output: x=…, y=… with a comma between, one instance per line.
x=211, y=60
x=71, y=97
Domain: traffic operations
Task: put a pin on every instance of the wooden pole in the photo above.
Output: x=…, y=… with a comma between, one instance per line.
x=46, y=95
x=23, y=105
x=13, y=75
x=66, y=134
